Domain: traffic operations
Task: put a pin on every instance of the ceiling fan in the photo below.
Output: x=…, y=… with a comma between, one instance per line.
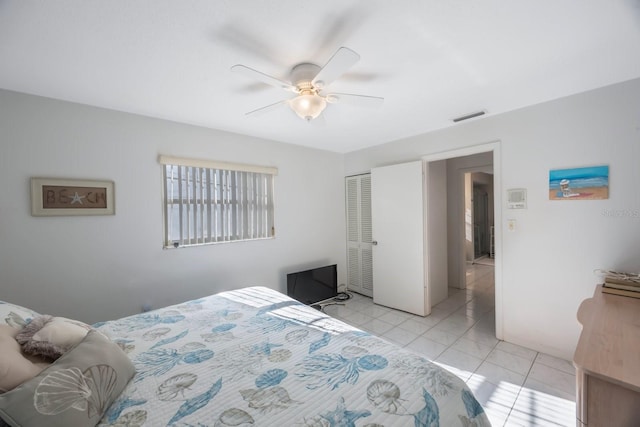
x=308, y=82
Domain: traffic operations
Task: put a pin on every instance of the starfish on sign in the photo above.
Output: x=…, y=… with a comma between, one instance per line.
x=77, y=198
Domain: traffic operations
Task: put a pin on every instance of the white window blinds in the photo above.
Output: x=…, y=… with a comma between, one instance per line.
x=211, y=202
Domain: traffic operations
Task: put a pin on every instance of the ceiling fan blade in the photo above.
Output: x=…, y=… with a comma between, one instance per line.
x=267, y=108
x=351, y=99
x=265, y=78
x=341, y=61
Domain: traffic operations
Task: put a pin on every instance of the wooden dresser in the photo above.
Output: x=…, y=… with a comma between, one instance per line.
x=607, y=361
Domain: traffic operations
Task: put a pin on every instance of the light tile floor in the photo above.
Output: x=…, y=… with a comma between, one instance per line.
x=516, y=386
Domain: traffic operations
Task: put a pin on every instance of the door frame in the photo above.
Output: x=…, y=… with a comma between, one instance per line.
x=495, y=148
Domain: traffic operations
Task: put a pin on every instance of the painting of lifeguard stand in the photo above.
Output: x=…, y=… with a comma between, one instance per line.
x=590, y=183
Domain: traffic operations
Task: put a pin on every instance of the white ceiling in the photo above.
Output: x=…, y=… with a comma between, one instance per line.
x=432, y=60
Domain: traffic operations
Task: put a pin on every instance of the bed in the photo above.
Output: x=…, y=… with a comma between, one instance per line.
x=255, y=357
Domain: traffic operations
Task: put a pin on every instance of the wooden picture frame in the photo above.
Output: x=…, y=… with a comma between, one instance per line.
x=63, y=197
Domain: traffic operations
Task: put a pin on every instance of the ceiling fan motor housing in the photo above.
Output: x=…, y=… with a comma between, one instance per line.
x=303, y=74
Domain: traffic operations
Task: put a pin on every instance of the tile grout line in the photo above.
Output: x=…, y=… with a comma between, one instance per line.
x=463, y=334
x=440, y=321
x=521, y=387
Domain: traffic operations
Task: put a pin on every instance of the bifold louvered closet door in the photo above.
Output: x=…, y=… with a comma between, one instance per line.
x=359, y=235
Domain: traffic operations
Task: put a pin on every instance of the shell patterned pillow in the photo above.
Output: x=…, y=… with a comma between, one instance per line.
x=76, y=390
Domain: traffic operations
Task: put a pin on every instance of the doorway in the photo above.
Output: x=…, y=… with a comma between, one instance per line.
x=460, y=224
x=479, y=219
x=479, y=263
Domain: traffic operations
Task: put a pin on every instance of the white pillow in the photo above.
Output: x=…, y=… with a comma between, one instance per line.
x=62, y=332
x=15, y=315
x=15, y=368
x=51, y=336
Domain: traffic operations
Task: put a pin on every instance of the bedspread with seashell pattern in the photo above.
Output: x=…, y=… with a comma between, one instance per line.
x=255, y=357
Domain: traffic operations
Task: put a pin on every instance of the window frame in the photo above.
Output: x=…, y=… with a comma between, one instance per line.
x=237, y=199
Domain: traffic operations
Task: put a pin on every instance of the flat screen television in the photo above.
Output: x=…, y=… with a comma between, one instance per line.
x=315, y=285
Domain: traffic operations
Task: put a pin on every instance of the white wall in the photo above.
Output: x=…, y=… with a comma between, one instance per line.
x=98, y=268
x=468, y=221
x=437, y=276
x=548, y=262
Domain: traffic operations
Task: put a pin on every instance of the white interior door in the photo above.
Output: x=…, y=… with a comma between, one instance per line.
x=397, y=211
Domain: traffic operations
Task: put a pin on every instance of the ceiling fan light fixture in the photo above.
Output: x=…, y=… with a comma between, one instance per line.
x=307, y=81
x=308, y=106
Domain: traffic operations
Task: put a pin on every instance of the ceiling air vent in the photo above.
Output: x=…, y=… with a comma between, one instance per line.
x=469, y=116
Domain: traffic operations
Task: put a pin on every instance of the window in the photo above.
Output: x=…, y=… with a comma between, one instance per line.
x=211, y=202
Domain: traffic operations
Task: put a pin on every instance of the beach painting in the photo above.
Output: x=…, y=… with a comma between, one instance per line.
x=590, y=183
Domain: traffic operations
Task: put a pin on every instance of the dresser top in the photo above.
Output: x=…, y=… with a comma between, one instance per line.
x=609, y=346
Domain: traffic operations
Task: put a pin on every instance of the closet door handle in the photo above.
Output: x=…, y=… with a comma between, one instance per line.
x=374, y=243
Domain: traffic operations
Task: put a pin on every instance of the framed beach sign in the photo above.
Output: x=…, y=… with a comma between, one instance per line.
x=57, y=197
x=588, y=183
